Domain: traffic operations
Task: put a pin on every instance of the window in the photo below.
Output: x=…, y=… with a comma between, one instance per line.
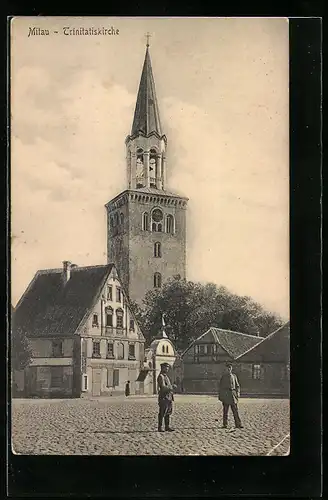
x=96, y=349
x=120, y=350
x=110, y=292
x=157, y=249
x=57, y=348
x=256, y=372
x=140, y=169
x=110, y=350
x=132, y=353
x=157, y=218
x=167, y=349
x=95, y=320
x=157, y=280
x=132, y=324
x=118, y=294
x=163, y=349
x=170, y=224
x=85, y=383
x=116, y=378
x=109, y=316
x=145, y=221
x=56, y=376
x=201, y=349
x=119, y=318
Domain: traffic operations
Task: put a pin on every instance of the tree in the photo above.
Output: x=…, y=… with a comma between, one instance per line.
x=191, y=308
x=20, y=348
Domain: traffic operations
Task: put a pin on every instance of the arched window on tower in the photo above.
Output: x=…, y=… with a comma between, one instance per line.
x=157, y=249
x=145, y=221
x=157, y=280
x=152, y=168
x=157, y=219
x=140, y=175
x=170, y=224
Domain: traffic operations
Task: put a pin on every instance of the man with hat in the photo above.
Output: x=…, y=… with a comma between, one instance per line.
x=165, y=398
x=229, y=393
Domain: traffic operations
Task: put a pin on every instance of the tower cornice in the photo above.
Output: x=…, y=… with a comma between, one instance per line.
x=147, y=195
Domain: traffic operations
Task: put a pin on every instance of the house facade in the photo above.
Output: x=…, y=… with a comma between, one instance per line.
x=204, y=360
x=84, y=337
x=261, y=364
x=264, y=369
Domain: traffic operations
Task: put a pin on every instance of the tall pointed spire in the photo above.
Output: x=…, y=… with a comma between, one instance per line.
x=146, y=116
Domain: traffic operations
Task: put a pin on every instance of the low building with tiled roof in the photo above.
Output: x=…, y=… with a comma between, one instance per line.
x=261, y=364
x=83, y=334
x=205, y=358
x=264, y=368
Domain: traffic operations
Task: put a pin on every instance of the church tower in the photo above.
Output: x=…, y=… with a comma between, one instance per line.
x=146, y=223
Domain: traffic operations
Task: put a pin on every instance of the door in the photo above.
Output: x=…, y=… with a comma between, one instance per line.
x=96, y=381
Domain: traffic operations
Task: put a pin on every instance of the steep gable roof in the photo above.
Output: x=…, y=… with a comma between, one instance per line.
x=48, y=307
x=146, y=116
x=234, y=343
x=275, y=345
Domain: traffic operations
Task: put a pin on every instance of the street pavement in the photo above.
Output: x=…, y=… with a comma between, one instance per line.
x=128, y=426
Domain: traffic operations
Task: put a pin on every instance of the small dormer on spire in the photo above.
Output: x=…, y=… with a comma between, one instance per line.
x=146, y=146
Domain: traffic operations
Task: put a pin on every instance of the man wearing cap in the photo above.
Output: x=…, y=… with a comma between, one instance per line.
x=229, y=393
x=165, y=398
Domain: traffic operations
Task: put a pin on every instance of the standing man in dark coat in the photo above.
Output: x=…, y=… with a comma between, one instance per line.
x=229, y=393
x=165, y=398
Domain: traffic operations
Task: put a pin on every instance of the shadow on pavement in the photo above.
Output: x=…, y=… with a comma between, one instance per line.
x=155, y=430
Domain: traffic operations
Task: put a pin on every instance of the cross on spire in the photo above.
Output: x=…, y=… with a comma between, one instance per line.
x=148, y=35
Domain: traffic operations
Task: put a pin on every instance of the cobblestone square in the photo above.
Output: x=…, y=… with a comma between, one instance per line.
x=128, y=426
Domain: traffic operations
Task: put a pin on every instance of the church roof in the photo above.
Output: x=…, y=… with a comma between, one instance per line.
x=234, y=343
x=146, y=116
x=48, y=307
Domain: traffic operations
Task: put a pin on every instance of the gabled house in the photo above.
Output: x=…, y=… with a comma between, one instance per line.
x=264, y=369
x=261, y=364
x=84, y=336
x=204, y=360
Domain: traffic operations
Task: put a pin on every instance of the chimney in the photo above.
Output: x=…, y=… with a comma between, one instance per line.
x=67, y=265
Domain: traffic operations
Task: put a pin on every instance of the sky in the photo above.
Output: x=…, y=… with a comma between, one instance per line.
x=222, y=87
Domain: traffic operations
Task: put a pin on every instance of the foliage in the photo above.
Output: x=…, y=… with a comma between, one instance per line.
x=191, y=308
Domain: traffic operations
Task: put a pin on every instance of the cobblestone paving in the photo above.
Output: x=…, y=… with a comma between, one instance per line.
x=117, y=426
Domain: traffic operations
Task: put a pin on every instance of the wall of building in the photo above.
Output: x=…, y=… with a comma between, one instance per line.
x=39, y=381
x=132, y=249
x=201, y=373
x=142, y=263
